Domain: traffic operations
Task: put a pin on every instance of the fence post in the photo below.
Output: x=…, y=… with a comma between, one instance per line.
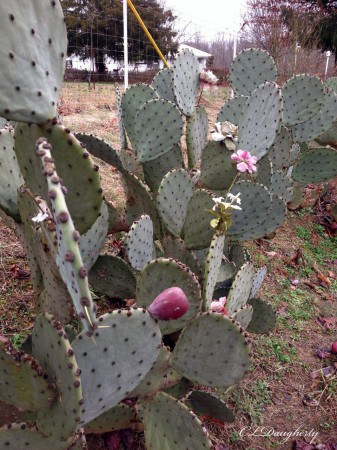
x=126, y=53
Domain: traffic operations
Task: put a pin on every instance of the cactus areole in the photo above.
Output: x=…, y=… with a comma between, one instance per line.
x=169, y=304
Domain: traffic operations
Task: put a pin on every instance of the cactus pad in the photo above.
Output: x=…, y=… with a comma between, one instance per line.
x=212, y=267
x=121, y=128
x=174, y=193
x=208, y=405
x=279, y=152
x=112, y=276
x=118, y=417
x=115, y=359
x=33, y=52
x=135, y=96
x=163, y=415
x=158, y=127
x=243, y=316
x=258, y=280
x=309, y=94
x=100, y=149
x=250, y=69
x=186, y=81
x=162, y=83
x=74, y=166
x=281, y=185
x=261, y=120
x=23, y=435
x=22, y=382
x=162, y=274
x=241, y=287
x=197, y=232
x=176, y=249
x=139, y=243
x=196, y=135
x=264, y=317
x=232, y=110
x=211, y=351
x=155, y=170
x=217, y=168
x=10, y=178
x=52, y=348
x=316, y=166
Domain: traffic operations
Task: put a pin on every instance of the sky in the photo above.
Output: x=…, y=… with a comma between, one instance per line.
x=207, y=17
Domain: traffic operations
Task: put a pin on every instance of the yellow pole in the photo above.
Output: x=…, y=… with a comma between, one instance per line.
x=142, y=24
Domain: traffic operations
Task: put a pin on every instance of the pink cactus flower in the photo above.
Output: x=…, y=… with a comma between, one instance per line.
x=219, y=305
x=245, y=161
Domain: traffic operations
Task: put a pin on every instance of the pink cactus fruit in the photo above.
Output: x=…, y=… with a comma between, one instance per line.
x=169, y=304
x=334, y=347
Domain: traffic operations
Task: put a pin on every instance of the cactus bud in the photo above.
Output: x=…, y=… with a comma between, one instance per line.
x=169, y=305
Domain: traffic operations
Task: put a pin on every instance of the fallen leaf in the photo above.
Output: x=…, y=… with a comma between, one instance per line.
x=271, y=254
x=302, y=445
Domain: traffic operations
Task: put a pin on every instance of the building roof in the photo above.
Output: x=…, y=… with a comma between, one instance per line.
x=198, y=53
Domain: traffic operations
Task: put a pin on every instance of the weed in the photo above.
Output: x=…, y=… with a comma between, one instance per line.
x=17, y=340
x=234, y=437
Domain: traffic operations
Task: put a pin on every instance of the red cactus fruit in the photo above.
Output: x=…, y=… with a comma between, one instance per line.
x=169, y=304
x=334, y=347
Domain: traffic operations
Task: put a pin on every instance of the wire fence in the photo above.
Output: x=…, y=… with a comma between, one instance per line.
x=103, y=35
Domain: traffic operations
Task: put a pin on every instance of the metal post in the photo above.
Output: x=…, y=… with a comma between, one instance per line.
x=327, y=54
x=126, y=53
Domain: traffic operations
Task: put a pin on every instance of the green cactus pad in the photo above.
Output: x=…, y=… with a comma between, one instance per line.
x=74, y=166
x=22, y=382
x=273, y=219
x=331, y=83
x=320, y=122
x=10, y=177
x=264, y=171
x=131, y=163
x=158, y=126
x=227, y=271
x=186, y=74
x=232, y=110
x=139, y=243
x=174, y=193
x=155, y=170
x=243, y=316
x=144, y=202
x=258, y=280
x=250, y=69
x=52, y=348
x=155, y=378
x=170, y=425
x=281, y=185
x=264, y=317
x=100, y=149
x=163, y=84
x=162, y=274
x=134, y=97
x=303, y=96
x=196, y=135
x=33, y=52
x=68, y=257
x=210, y=406
x=217, y=168
x=261, y=120
x=279, y=152
x=115, y=359
x=19, y=436
x=112, y=276
x=197, y=231
x=121, y=129
x=92, y=241
x=176, y=249
x=211, y=351
x=212, y=267
x=329, y=137
x=255, y=204
x=241, y=287
x=239, y=255
x=40, y=249
x=316, y=166
x=117, y=418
